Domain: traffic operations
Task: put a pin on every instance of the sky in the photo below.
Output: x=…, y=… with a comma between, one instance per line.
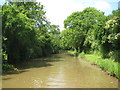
x=58, y=10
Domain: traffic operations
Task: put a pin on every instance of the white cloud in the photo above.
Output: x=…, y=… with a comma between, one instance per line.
x=102, y=5
x=58, y=10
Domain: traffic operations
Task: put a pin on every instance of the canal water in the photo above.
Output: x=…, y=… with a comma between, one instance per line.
x=59, y=71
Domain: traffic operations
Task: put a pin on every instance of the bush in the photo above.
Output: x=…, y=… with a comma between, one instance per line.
x=81, y=55
x=115, y=55
x=8, y=67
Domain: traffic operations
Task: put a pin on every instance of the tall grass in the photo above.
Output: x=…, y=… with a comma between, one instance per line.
x=108, y=65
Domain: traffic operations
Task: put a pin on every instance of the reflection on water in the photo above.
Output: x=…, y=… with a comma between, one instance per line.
x=59, y=71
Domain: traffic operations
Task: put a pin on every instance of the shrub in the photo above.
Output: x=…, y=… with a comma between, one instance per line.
x=115, y=55
x=81, y=55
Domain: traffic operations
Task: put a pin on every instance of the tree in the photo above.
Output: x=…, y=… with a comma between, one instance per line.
x=83, y=26
x=55, y=38
x=26, y=32
x=113, y=35
x=18, y=29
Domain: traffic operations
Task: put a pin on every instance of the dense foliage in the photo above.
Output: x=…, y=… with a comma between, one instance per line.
x=27, y=33
x=90, y=31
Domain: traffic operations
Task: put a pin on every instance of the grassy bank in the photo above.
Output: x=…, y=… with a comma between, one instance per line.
x=107, y=65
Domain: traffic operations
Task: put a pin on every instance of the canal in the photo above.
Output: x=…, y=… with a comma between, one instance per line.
x=59, y=71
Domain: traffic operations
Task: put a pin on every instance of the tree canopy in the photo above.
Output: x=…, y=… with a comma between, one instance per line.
x=26, y=32
x=90, y=30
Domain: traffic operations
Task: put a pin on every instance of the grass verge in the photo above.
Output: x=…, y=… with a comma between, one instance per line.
x=108, y=65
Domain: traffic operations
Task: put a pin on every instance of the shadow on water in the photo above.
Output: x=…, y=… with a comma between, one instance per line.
x=13, y=72
x=56, y=57
x=35, y=63
x=51, y=60
x=6, y=78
